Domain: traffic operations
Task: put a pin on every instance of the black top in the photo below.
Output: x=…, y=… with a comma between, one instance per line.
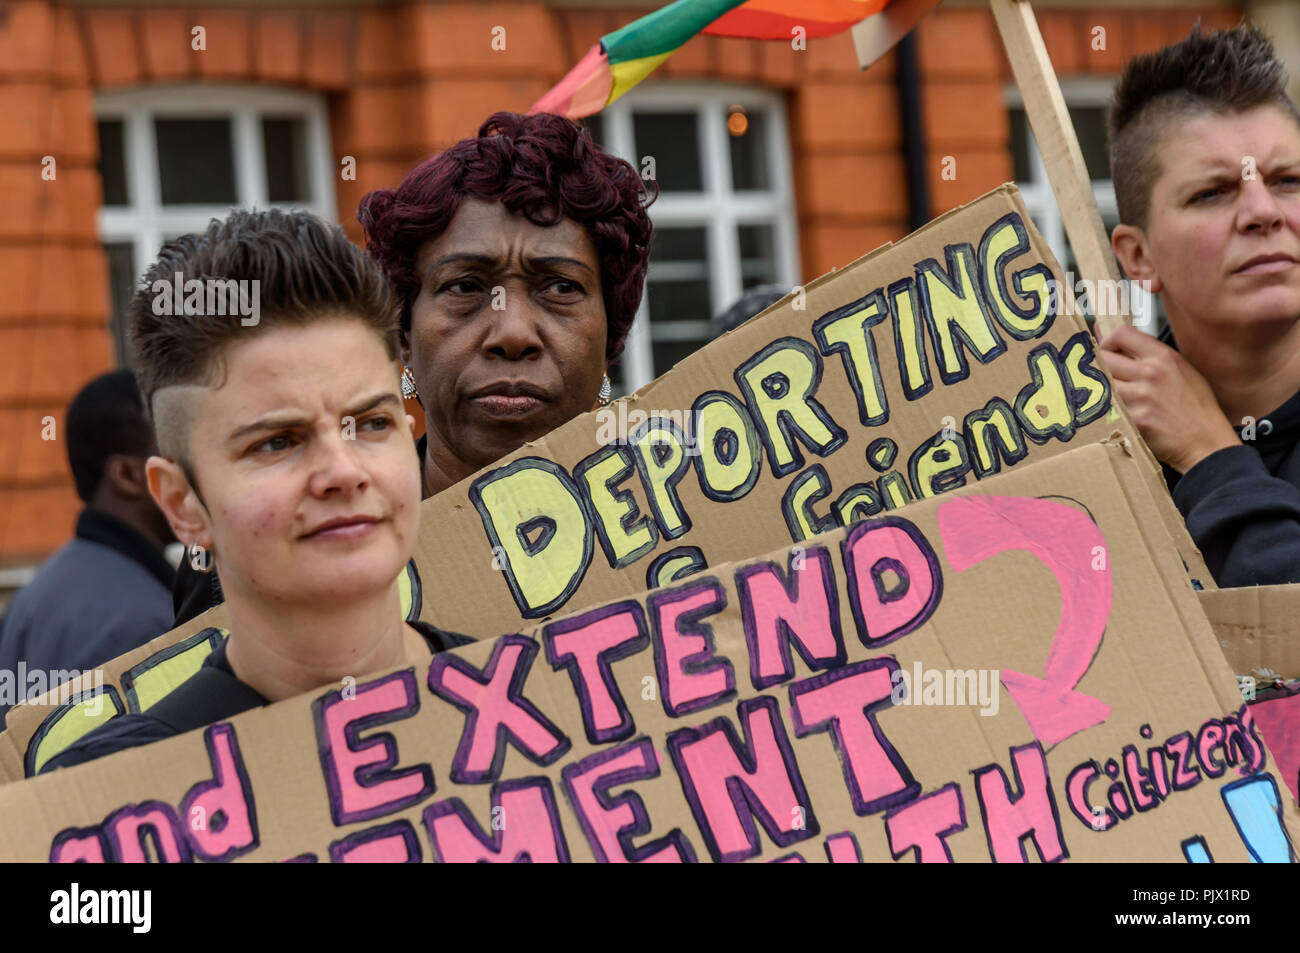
x=421, y=448
x=195, y=592
x=213, y=693
x=1242, y=504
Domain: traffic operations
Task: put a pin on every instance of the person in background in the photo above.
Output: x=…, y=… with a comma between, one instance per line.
x=107, y=591
x=519, y=256
x=753, y=301
x=1205, y=157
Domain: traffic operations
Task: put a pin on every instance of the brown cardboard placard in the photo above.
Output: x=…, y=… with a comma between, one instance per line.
x=967, y=678
x=1258, y=627
x=899, y=370
x=855, y=392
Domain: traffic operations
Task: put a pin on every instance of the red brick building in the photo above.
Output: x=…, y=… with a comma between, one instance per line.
x=124, y=124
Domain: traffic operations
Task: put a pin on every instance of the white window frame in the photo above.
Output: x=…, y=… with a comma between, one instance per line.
x=716, y=207
x=1086, y=93
x=145, y=221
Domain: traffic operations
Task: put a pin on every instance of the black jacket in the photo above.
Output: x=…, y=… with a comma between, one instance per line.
x=1242, y=504
x=101, y=595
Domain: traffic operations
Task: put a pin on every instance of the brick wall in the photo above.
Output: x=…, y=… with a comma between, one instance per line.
x=404, y=80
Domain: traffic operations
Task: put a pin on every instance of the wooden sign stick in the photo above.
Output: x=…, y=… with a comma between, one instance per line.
x=1059, y=146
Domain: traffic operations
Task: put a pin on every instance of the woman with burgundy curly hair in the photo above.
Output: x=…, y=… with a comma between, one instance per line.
x=519, y=257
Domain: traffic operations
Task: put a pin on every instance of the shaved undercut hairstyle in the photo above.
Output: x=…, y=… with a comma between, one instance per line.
x=1229, y=71
x=305, y=270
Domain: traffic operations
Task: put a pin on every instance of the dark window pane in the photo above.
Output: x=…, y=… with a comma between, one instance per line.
x=667, y=354
x=757, y=255
x=672, y=140
x=284, y=143
x=121, y=285
x=747, y=134
x=686, y=300
x=1090, y=127
x=1020, y=146
x=678, y=244
x=112, y=161
x=196, y=161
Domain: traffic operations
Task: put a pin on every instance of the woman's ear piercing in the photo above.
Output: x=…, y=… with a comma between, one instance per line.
x=408, y=385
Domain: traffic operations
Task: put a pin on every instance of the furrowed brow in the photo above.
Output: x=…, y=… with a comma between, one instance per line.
x=370, y=403
x=271, y=422
x=287, y=422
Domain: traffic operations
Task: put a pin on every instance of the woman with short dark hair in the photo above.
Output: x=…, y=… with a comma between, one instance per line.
x=284, y=453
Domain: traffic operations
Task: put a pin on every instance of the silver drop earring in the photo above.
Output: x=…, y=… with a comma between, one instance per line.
x=408, y=385
x=606, y=391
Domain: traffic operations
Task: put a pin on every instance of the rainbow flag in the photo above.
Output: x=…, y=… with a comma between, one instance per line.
x=628, y=55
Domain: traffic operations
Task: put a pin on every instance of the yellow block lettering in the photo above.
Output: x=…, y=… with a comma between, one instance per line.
x=534, y=517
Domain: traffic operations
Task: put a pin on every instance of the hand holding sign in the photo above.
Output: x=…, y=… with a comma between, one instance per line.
x=975, y=528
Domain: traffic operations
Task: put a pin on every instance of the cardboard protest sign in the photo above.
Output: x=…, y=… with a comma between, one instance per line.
x=927, y=365
x=1259, y=630
x=924, y=366
x=965, y=678
x=1258, y=627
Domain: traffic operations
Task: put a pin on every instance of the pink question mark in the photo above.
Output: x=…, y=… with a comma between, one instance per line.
x=975, y=528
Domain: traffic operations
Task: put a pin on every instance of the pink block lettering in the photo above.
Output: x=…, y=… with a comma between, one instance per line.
x=611, y=822
x=587, y=645
x=219, y=816
x=393, y=843
x=78, y=845
x=843, y=849
x=845, y=702
x=799, y=608
x=359, y=773
x=729, y=783
x=1031, y=812
x=495, y=711
x=1097, y=817
x=143, y=833
x=924, y=825
x=885, y=609
x=524, y=827
x=690, y=677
